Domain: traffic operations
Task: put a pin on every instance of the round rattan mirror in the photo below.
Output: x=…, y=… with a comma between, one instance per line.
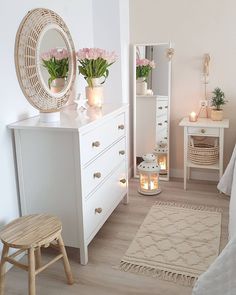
x=45, y=60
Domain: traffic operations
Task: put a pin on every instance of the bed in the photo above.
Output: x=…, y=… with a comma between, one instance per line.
x=220, y=278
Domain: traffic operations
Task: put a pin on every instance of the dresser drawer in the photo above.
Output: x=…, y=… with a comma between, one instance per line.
x=101, y=167
x=101, y=204
x=162, y=121
x=203, y=131
x=162, y=107
x=97, y=140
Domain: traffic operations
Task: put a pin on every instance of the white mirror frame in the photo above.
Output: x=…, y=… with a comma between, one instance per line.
x=135, y=174
x=29, y=35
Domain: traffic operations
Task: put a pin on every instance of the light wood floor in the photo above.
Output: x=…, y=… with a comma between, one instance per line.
x=100, y=277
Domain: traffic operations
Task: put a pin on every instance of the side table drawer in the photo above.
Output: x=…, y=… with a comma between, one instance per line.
x=203, y=131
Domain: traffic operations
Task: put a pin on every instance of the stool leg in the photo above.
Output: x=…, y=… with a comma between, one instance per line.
x=66, y=263
x=3, y=268
x=31, y=274
x=38, y=257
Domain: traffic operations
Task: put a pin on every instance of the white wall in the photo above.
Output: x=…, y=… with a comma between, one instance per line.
x=111, y=32
x=195, y=27
x=77, y=14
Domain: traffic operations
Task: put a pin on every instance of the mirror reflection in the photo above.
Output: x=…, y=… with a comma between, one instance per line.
x=152, y=102
x=54, y=61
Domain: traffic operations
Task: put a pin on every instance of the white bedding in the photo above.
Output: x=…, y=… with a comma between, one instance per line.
x=220, y=278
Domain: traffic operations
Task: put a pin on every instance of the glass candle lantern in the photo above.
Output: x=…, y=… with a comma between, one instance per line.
x=162, y=162
x=161, y=155
x=149, y=176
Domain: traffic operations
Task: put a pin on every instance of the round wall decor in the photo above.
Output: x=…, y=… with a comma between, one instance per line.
x=43, y=30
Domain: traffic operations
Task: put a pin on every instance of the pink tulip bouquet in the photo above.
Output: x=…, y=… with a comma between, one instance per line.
x=143, y=68
x=56, y=61
x=94, y=63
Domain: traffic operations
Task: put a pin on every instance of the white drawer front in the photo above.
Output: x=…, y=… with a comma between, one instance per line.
x=162, y=107
x=162, y=121
x=94, y=142
x=203, y=131
x=100, y=205
x=98, y=170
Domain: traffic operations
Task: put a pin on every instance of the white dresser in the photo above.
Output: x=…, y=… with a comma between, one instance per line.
x=75, y=169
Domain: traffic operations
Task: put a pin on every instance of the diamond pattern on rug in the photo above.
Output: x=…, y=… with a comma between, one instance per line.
x=176, y=242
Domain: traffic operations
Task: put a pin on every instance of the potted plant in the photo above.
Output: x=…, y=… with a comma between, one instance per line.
x=217, y=101
x=56, y=61
x=93, y=65
x=143, y=69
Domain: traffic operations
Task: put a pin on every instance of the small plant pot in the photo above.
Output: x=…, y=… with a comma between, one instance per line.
x=216, y=115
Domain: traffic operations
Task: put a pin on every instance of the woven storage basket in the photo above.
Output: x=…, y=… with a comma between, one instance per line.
x=203, y=153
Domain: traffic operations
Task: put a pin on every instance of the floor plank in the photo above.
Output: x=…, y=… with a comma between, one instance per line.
x=101, y=276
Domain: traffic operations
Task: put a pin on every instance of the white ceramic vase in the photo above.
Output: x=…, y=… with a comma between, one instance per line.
x=57, y=85
x=141, y=86
x=94, y=94
x=49, y=117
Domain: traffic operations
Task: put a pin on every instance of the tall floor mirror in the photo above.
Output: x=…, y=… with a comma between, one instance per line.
x=151, y=104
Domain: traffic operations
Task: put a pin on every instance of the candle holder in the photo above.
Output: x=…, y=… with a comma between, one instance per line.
x=149, y=176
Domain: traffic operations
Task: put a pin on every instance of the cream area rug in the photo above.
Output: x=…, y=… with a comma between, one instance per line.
x=176, y=242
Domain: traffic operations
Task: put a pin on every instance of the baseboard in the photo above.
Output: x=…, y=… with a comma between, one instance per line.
x=203, y=174
x=197, y=174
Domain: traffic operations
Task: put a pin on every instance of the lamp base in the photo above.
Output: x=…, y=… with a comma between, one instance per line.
x=155, y=192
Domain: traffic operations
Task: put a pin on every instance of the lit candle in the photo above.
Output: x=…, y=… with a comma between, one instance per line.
x=192, y=117
x=145, y=185
x=152, y=186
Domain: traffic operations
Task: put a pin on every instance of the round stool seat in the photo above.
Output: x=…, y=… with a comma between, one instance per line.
x=31, y=231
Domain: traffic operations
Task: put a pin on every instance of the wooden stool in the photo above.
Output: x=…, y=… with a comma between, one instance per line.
x=30, y=233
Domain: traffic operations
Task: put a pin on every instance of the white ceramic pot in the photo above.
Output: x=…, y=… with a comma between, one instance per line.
x=216, y=115
x=141, y=86
x=57, y=85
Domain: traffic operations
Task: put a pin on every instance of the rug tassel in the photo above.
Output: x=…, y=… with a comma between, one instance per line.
x=161, y=274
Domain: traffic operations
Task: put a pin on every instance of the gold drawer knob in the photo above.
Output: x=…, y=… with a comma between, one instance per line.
x=123, y=180
x=96, y=144
x=159, y=124
x=203, y=131
x=121, y=152
x=121, y=127
x=160, y=108
x=98, y=210
x=97, y=175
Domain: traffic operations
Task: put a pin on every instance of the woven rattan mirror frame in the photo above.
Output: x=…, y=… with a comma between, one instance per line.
x=28, y=38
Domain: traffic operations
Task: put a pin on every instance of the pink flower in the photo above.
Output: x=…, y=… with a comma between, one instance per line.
x=58, y=53
x=145, y=62
x=95, y=53
x=46, y=56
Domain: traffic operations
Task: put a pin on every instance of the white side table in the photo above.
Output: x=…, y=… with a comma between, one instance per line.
x=203, y=127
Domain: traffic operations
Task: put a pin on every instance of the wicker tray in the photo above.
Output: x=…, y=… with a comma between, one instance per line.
x=203, y=153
